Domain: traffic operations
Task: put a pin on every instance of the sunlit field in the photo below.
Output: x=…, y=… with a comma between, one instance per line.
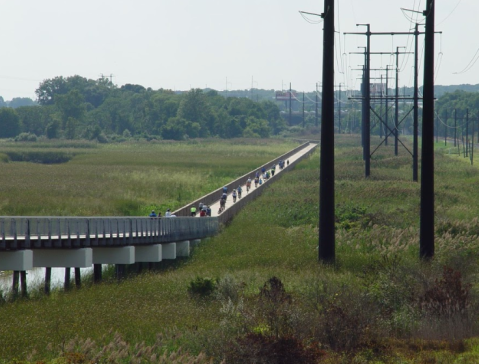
x=257, y=288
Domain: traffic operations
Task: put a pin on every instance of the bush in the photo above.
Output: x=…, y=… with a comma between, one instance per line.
x=257, y=348
x=26, y=137
x=202, y=287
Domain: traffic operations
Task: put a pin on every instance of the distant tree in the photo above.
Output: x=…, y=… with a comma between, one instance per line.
x=21, y=101
x=195, y=108
x=52, y=130
x=33, y=119
x=71, y=105
x=2, y=102
x=48, y=89
x=70, y=128
x=174, y=129
x=256, y=127
x=132, y=88
x=9, y=123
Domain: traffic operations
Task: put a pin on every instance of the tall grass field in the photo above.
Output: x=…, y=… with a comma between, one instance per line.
x=256, y=292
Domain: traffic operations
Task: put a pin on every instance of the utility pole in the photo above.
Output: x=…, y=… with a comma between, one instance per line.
x=415, y=150
x=290, y=117
x=339, y=110
x=316, y=104
x=326, y=172
x=426, y=238
x=367, y=98
x=396, y=111
x=455, y=127
x=445, y=130
x=303, y=111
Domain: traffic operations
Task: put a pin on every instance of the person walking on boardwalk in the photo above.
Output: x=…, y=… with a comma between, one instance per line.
x=152, y=214
x=234, y=195
x=208, y=211
x=240, y=190
x=193, y=211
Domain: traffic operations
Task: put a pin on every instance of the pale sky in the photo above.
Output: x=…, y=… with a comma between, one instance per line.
x=183, y=44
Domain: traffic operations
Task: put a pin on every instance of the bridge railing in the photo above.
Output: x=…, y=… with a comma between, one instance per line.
x=78, y=232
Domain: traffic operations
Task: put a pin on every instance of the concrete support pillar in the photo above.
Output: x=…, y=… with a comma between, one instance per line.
x=169, y=251
x=23, y=283
x=66, y=284
x=15, y=283
x=48, y=280
x=77, y=277
x=97, y=273
x=148, y=253
x=120, y=271
x=183, y=248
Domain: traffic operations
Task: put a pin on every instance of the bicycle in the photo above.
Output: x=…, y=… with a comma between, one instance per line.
x=222, y=206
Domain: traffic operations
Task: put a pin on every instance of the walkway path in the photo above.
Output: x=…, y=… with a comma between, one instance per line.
x=229, y=201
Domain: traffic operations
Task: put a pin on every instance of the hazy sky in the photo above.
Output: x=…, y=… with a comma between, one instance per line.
x=183, y=44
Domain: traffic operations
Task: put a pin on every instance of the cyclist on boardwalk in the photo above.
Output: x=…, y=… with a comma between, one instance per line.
x=240, y=190
x=152, y=214
x=208, y=211
x=248, y=184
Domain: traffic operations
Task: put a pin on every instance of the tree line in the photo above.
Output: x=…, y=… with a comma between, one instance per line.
x=79, y=108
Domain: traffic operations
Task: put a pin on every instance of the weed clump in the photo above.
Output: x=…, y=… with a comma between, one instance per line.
x=201, y=287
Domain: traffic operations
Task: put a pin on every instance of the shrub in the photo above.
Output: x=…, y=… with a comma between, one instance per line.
x=257, y=348
x=228, y=289
x=448, y=296
x=202, y=287
x=26, y=137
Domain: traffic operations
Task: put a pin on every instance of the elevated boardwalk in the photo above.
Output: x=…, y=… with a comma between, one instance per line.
x=80, y=242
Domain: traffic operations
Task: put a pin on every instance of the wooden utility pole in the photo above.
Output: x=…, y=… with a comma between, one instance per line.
x=326, y=172
x=426, y=238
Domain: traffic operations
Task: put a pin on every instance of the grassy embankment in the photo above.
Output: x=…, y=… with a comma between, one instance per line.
x=378, y=304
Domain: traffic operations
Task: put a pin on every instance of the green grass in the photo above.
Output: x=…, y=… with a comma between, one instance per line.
x=125, y=179
x=377, y=293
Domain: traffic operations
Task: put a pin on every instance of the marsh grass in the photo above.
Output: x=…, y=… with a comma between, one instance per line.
x=123, y=179
x=379, y=303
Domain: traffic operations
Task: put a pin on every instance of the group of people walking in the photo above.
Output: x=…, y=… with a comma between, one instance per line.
x=204, y=210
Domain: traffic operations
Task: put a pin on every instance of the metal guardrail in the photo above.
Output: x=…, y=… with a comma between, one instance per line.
x=79, y=232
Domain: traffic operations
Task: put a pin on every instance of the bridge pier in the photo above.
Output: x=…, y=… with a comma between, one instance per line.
x=77, y=277
x=15, y=284
x=120, y=271
x=48, y=280
x=97, y=270
x=183, y=248
x=23, y=283
x=66, y=284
